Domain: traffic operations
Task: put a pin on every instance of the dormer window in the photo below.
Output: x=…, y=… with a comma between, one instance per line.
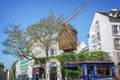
x=114, y=9
x=113, y=12
x=118, y=14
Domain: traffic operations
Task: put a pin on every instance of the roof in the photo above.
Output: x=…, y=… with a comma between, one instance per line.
x=75, y=64
x=103, y=13
x=117, y=13
x=1, y=64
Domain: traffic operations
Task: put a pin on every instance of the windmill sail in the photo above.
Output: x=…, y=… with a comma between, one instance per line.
x=67, y=34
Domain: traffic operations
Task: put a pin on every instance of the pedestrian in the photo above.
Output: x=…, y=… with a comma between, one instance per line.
x=66, y=76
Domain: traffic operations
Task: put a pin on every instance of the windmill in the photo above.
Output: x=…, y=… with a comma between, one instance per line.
x=67, y=34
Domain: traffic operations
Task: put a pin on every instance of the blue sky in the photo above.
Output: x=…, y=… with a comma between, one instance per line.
x=27, y=12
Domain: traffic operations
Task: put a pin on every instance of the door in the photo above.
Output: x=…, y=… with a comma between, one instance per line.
x=90, y=72
x=53, y=73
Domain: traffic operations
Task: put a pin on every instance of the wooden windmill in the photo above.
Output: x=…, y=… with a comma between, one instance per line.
x=67, y=34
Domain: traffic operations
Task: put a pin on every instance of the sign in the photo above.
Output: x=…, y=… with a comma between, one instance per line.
x=37, y=69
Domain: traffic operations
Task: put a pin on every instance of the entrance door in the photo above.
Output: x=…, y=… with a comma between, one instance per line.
x=37, y=73
x=53, y=73
x=90, y=72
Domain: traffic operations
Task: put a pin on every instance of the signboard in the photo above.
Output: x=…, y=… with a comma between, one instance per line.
x=37, y=69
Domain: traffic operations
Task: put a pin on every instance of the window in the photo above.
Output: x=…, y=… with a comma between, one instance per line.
x=99, y=47
x=97, y=36
x=97, y=25
x=119, y=68
x=118, y=53
x=116, y=29
x=52, y=52
x=103, y=71
x=94, y=48
x=118, y=14
x=117, y=43
x=92, y=39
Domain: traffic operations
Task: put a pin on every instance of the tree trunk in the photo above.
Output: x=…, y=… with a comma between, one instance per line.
x=46, y=51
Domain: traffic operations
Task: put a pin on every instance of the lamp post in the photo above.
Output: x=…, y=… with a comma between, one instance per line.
x=77, y=65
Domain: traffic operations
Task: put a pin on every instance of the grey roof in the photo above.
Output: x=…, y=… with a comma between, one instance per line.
x=103, y=13
x=107, y=14
x=1, y=64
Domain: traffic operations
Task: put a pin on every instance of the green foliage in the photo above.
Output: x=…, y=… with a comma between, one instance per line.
x=83, y=56
x=93, y=56
x=72, y=74
x=42, y=60
x=12, y=73
x=68, y=57
x=72, y=57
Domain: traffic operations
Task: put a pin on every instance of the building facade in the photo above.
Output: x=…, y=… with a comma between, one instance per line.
x=4, y=73
x=29, y=69
x=22, y=68
x=104, y=34
x=1, y=71
x=81, y=47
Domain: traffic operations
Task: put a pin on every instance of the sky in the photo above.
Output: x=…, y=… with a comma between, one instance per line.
x=27, y=12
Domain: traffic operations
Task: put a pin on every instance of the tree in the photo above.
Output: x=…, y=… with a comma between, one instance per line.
x=12, y=73
x=17, y=43
x=21, y=42
x=45, y=33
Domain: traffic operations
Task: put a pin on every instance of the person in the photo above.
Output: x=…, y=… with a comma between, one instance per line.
x=55, y=76
x=27, y=79
x=66, y=76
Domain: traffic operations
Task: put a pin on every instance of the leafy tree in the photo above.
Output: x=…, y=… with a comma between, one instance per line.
x=22, y=43
x=12, y=73
x=45, y=33
x=17, y=43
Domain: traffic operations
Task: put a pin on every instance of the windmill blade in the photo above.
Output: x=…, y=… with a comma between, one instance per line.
x=68, y=35
x=76, y=12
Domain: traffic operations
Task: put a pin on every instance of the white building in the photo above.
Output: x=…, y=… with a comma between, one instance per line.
x=24, y=67
x=82, y=47
x=104, y=33
x=40, y=52
x=17, y=68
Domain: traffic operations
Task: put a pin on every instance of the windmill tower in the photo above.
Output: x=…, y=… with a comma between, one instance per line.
x=67, y=34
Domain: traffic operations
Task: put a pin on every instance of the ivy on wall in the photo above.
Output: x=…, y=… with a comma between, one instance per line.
x=93, y=56
x=72, y=57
